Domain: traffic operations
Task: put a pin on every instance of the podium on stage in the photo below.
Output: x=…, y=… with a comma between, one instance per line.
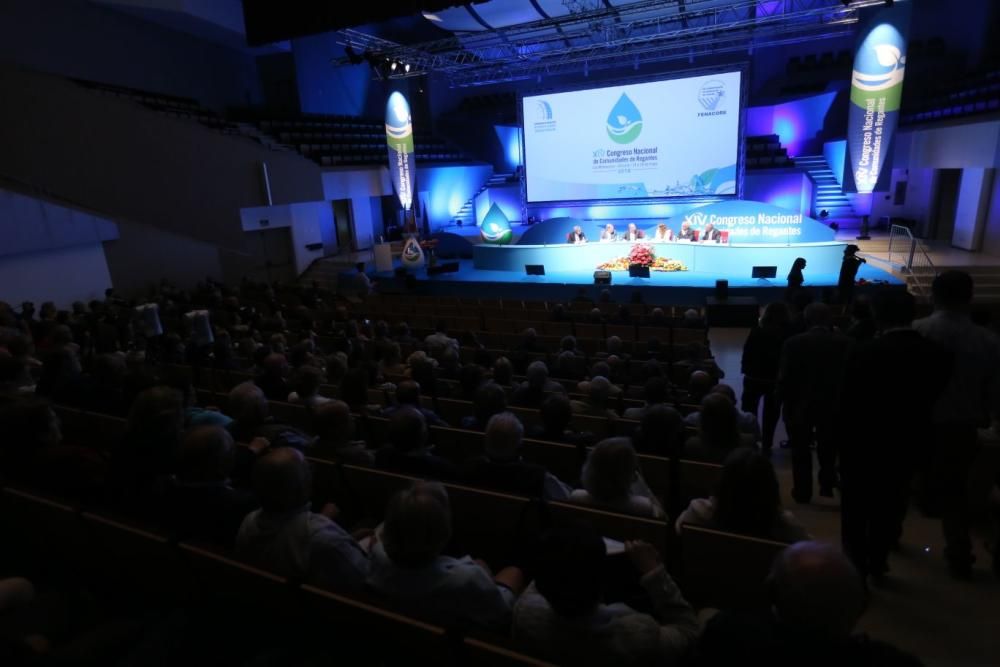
x=383, y=257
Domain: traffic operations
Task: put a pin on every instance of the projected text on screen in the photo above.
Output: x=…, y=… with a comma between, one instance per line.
x=675, y=138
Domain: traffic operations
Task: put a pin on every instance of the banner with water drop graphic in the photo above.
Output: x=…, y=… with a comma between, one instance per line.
x=876, y=90
x=399, y=137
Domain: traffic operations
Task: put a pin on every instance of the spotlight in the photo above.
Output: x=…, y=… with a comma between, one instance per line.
x=393, y=66
x=406, y=67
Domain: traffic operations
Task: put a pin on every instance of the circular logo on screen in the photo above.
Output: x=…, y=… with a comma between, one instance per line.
x=711, y=94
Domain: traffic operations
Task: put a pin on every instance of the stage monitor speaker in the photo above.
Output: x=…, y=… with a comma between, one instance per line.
x=638, y=271
x=445, y=267
x=764, y=272
x=602, y=277
x=721, y=290
x=534, y=269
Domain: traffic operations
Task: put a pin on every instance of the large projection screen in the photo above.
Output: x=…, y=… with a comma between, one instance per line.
x=662, y=139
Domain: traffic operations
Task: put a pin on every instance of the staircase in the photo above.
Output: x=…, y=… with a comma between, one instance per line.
x=827, y=195
x=985, y=278
x=467, y=213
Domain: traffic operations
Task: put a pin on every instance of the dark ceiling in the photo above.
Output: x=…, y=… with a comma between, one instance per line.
x=269, y=21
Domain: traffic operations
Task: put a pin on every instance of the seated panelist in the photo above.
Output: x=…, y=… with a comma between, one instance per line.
x=576, y=237
x=710, y=234
x=609, y=234
x=634, y=233
x=663, y=233
x=686, y=233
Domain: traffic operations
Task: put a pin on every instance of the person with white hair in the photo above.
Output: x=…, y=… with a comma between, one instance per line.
x=612, y=480
x=503, y=469
x=409, y=568
x=286, y=537
x=598, y=391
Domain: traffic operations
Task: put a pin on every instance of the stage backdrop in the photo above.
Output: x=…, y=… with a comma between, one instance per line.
x=748, y=222
x=673, y=138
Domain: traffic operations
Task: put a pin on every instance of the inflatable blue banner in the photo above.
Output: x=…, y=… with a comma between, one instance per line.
x=876, y=89
x=399, y=137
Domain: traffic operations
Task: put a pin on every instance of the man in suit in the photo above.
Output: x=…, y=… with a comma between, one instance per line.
x=970, y=398
x=686, y=233
x=576, y=237
x=634, y=233
x=883, y=440
x=711, y=234
x=809, y=380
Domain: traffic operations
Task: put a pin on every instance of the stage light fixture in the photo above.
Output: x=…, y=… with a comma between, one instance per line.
x=393, y=65
x=406, y=67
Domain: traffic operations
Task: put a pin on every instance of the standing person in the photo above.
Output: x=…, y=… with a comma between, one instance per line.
x=969, y=400
x=848, y=272
x=609, y=234
x=884, y=439
x=809, y=380
x=760, y=364
x=576, y=237
x=795, y=278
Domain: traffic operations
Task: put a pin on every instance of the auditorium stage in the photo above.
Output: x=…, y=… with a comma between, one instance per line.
x=680, y=287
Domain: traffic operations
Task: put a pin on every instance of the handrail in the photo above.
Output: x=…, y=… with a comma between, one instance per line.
x=911, y=254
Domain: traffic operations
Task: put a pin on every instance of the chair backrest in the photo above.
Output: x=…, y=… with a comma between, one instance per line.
x=614, y=525
x=725, y=570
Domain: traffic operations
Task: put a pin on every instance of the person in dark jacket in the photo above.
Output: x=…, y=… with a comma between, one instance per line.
x=408, y=450
x=849, y=273
x=760, y=363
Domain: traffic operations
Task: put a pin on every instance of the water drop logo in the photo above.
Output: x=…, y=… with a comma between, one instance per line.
x=879, y=67
x=412, y=255
x=624, y=121
x=544, y=111
x=495, y=228
x=398, y=124
x=710, y=94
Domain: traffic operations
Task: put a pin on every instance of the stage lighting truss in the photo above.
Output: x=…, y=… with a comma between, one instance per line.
x=603, y=36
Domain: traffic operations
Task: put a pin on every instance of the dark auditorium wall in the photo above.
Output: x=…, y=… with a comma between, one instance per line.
x=116, y=157
x=85, y=40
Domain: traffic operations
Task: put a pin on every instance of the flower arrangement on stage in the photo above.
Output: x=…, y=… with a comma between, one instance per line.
x=643, y=255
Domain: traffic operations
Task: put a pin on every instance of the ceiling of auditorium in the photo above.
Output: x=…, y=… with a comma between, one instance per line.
x=509, y=40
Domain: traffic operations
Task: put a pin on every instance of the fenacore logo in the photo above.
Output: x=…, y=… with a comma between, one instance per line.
x=624, y=122
x=543, y=117
x=711, y=96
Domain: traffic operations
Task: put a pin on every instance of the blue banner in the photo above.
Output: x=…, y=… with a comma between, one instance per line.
x=399, y=137
x=876, y=89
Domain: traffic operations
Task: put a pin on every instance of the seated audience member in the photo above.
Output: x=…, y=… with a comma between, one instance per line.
x=502, y=468
x=353, y=390
x=104, y=390
x=568, y=365
x=655, y=392
x=409, y=568
x=152, y=435
x=334, y=435
x=193, y=415
x=408, y=394
x=391, y=363
x=60, y=378
x=554, y=424
x=692, y=320
x=597, y=393
x=32, y=452
x=699, y=384
x=611, y=480
x=271, y=378
x=408, y=450
x=305, y=384
x=747, y=501
x=562, y=615
x=284, y=536
x=817, y=598
x=746, y=421
x=423, y=370
x=199, y=501
x=14, y=376
x=532, y=392
x=490, y=399
x=503, y=372
x=470, y=380
x=439, y=341
x=660, y=432
x=718, y=431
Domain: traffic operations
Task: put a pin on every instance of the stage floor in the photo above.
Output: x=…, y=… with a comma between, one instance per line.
x=666, y=287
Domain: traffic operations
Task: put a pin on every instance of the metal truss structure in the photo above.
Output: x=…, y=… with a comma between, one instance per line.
x=595, y=36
